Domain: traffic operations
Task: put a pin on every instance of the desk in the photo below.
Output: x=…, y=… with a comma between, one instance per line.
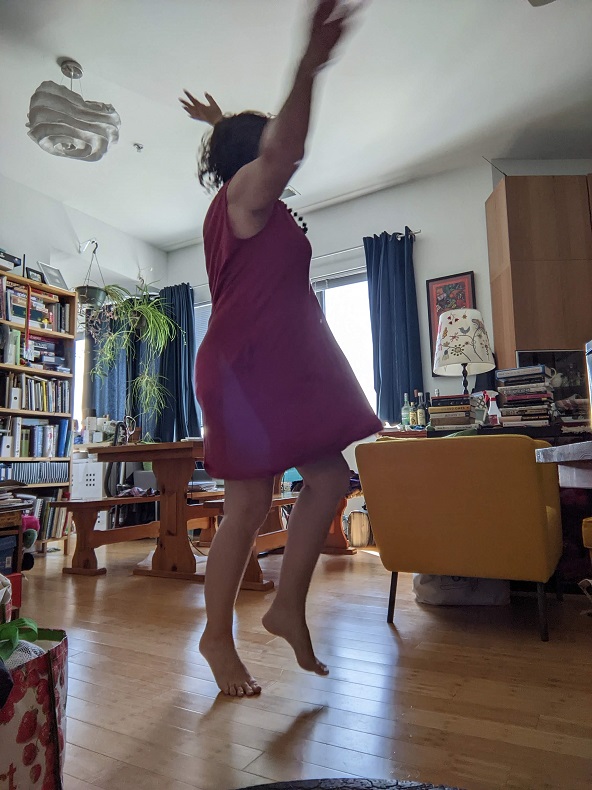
x=575, y=471
x=574, y=463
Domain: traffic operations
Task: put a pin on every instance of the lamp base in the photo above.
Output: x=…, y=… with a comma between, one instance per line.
x=465, y=379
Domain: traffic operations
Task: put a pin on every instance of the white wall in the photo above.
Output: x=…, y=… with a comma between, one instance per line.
x=47, y=230
x=448, y=209
x=188, y=265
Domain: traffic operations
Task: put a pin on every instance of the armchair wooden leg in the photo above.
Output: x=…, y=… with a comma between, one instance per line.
x=542, y=600
x=392, y=596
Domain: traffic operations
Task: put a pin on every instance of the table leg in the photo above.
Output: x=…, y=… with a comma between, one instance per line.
x=336, y=542
x=253, y=577
x=84, y=559
x=173, y=551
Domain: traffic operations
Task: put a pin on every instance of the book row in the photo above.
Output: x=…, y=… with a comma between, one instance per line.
x=52, y=521
x=41, y=353
x=45, y=311
x=33, y=393
x=34, y=473
x=35, y=438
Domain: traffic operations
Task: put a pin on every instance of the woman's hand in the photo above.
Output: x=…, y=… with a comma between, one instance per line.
x=330, y=20
x=209, y=113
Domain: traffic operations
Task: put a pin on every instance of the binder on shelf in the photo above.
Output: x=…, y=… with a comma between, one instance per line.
x=48, y=434
x=15, y=398
x=62, y=436
x=6, y=446
x=17, y=428
x=25, y=442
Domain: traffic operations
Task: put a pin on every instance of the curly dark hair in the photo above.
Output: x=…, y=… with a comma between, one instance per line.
x=232, y=143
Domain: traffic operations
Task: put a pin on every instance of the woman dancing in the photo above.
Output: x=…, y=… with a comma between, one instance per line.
x=275, y=389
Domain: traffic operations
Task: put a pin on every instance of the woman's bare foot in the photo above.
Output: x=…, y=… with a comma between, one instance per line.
x=281, y=622
x=231, y=675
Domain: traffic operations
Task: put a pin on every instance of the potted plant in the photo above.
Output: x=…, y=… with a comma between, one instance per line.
x=117, y=325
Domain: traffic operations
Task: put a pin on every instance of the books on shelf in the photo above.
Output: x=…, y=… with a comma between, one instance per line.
x=42, y=353
x=28, y=392
x=46, y=311
x=35, y=472
x=52, y=521
x=35, y=437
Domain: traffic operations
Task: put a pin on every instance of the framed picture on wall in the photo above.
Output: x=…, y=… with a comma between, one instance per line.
x=448, y=293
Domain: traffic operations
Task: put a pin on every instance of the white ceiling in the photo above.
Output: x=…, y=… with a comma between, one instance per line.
x=423, y=85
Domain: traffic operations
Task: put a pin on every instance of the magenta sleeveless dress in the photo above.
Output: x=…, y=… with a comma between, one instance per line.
x=275, y=388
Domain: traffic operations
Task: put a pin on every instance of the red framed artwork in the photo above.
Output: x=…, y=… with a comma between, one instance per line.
x=448, y=293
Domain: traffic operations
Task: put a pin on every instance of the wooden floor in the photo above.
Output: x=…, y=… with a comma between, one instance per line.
x=459, y=696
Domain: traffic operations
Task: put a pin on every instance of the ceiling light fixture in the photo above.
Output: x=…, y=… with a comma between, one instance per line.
x=62, y=123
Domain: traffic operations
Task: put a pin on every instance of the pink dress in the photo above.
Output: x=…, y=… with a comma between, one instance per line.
x=275, y=389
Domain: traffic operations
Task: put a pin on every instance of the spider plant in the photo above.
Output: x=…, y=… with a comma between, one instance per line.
x=117, y=325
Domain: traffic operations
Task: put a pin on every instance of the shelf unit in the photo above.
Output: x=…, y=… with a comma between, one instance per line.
x=43, y=373
x=11, y=526
x=41, y=298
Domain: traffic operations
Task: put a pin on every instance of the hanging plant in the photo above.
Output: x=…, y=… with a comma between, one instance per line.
x=116, y=325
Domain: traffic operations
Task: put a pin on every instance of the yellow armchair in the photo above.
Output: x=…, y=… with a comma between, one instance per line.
x=466, y=506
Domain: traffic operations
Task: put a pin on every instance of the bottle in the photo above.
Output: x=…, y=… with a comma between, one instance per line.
x=413, y=414
x=405, y=410
x=421, y=413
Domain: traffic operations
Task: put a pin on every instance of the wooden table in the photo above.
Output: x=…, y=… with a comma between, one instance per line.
x=173, y=464
x=174, y=558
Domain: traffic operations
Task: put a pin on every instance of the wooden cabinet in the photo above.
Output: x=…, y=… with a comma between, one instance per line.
x=539, y=235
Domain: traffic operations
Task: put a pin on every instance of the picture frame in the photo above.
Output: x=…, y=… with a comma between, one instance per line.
x=33, y=274
x=52, y=276
x=448, y=293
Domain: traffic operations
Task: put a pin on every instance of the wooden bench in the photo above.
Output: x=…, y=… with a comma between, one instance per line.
x=85, y=514
x=272, y=535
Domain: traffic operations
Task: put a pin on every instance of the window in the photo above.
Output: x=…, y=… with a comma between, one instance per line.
x=79, y=382
x=202, y=317
x=348, y=315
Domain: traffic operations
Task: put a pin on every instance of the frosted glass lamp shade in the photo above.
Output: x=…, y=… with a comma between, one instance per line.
x=63, y=124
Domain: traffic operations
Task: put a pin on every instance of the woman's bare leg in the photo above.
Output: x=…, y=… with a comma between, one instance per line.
x=325, y=483
x=246, y=505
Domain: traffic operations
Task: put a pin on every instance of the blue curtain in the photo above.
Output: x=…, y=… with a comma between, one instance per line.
x=394, y=321
x=138, y=361
x=179, y=419
x=106, y=395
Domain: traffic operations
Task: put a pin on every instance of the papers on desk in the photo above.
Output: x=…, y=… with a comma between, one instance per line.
x=202, y=485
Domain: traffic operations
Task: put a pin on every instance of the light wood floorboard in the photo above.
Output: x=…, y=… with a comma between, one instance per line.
x=464, y=696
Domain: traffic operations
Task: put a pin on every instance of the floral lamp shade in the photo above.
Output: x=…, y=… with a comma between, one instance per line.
x=462, y=345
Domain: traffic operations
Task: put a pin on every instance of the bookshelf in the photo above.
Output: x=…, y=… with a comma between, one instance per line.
x=37, y=353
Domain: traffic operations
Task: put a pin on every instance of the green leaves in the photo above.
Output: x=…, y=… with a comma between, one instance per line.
x=124, y=319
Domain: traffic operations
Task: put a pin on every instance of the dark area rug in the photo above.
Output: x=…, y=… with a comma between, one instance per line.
x=349, y=784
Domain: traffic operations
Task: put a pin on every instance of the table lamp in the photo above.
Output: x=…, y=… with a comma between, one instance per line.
x=462, y=345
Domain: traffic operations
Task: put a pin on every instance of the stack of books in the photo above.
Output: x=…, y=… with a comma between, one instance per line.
x=526, y=396
x=8, y=498
x=451, y=412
